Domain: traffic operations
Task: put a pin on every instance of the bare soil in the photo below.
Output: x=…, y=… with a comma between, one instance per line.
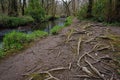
x=57, y=56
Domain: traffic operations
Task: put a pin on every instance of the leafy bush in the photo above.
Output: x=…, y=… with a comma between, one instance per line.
x=99, y=10
x=55, y=29
x=82, y=12
x=37, y=34
x=6, y=21
x=35, y=10
x=68, y=21
x=17, y=40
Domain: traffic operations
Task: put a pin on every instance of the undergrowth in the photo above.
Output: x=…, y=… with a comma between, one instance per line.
x=16, y=41
x=57, y=28
x=7, y=21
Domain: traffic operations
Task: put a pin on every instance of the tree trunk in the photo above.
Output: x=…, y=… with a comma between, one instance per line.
x=89, y=11
x=23, y=7
x=13, y=8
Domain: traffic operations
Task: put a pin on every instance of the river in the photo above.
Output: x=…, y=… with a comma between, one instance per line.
x=45, y=26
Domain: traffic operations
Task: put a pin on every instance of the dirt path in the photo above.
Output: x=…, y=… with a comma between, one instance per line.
x=61, y=56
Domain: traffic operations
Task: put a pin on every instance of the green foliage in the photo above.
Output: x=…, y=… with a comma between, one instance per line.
x=82, y=12
x=55, y=29
x=35, y=10
x=37, y=34
x=17, y=40
x=7, y=21
x=68, y=21
x=99, y=10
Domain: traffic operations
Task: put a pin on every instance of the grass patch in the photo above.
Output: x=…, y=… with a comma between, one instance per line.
x=57, y=28
x=7, y=21
x=16, y=41
x=68, y=21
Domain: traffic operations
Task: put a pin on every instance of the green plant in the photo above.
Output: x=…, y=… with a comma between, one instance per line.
x=35, y=10
x=7, y=21
x=15, y=40
x=68, y=21
x=82, y=12
x=99, y=8
x=37, y=34
x=55, y=29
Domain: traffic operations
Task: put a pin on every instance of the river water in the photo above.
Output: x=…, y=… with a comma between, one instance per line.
x=45, y=26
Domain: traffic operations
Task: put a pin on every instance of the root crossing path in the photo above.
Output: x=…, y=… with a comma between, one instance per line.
x=82, y=51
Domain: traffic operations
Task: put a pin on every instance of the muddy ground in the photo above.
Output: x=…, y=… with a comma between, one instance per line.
x=81, y=51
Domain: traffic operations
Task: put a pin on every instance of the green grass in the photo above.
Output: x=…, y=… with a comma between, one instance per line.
x=57, y=28
x=16, y=41
x=7, y=21
x=68, y=21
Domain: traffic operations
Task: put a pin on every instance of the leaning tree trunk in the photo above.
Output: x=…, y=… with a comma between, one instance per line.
x=23, y=7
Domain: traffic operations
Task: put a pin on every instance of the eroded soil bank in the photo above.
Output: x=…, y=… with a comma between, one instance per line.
x=82, y=51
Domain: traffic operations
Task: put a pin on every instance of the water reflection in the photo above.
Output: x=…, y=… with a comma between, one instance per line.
x=45, y=26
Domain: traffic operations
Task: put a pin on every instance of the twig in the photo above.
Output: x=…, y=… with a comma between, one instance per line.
x=79, y=44
x=70, y=65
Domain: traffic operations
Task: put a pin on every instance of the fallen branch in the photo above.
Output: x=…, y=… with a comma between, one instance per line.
x=70, y=65
x=79, y=45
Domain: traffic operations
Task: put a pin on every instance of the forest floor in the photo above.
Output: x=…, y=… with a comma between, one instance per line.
x=83, y=51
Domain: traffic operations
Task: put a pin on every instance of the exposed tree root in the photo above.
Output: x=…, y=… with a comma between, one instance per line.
x=112, y=46
x=69, y=35
x=89, y=40
x=95, y=70
x=103, y=48
x=82, y=76
x=79, y=45
x=89, y=73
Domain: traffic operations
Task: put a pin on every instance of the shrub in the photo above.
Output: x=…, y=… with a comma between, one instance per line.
x=82, y=12
x=37, y=34
x=7, y=21
x=17, y=40
x=99, y=10
x=68, y=21
x=55, y=29
x=35, y=10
